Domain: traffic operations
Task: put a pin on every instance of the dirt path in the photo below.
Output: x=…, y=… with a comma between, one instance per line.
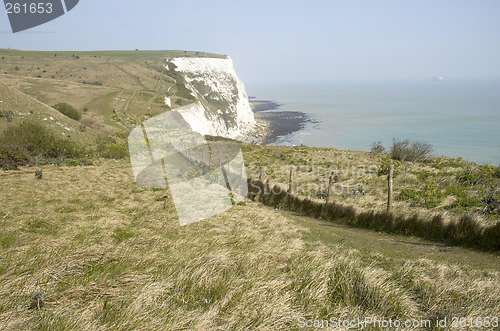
x=127, y=102
x=369, y=243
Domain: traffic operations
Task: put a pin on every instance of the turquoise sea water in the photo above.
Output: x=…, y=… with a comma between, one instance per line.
x=459, y=118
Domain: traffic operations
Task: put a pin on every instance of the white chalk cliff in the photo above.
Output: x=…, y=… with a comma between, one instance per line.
x=221, y=107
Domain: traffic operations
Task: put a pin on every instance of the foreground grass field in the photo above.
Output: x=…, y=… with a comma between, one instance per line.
x=108, y=254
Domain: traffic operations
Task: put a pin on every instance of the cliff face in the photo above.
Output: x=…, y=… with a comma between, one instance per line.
x=221, y=107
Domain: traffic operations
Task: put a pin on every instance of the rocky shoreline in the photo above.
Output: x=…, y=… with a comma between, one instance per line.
x=273, y=123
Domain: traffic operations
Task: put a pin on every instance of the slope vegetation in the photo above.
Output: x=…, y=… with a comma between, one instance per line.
x=110, y=255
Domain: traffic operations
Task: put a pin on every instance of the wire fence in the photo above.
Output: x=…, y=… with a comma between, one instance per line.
x=474, y=190
x=465, y=192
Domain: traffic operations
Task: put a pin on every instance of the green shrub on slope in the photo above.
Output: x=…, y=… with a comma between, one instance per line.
x=68, y=110
x=109, y=148
x=28, y=141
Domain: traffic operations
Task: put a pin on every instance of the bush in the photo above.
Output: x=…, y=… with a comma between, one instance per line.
x=383, y=166
x=95, y=83
x=377, y=148
x=96, y=125
x=479, y=174
x=68, y=110
x=404, y=150
x=109, y=148
x=28, y=141
x=13, y=156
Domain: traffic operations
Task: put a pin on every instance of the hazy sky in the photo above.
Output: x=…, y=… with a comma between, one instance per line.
x=286, y=41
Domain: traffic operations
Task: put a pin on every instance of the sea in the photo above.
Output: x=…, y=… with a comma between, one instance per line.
x=459, y=118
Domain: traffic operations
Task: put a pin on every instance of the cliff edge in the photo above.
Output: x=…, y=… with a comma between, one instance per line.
x=221, y=106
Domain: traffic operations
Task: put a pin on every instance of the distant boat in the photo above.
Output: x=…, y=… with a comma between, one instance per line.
x=437, y=78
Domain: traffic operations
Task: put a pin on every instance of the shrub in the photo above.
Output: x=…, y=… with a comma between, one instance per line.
x=383, y=166
x=478, y=174
x=28, y=141
x=183, y=91
x=95, y=83
x=13, y=156
x=490, y=237
x=377, y=148
x=441, y=163
x=467, y=231
x=159, y=100
x=68, y=110
x=109, y=148
x=404, y=150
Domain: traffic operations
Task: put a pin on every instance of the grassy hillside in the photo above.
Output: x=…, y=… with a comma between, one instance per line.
x=444, y=186
x=16, y=107
x=104, y=253
x=134, y=83
x=110, y=92
x=108, y=254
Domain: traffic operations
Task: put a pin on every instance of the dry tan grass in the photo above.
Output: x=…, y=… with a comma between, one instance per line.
x=96, y=125
x=92, y=81
x=108, y=255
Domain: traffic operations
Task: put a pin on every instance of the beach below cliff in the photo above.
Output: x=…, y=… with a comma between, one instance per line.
x=273, y=123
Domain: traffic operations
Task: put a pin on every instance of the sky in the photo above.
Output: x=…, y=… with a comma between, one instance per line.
x=289, y=41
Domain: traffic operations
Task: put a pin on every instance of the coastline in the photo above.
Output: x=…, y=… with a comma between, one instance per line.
x=272, y=123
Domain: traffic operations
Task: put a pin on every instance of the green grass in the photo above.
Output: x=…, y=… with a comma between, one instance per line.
x=419, y=187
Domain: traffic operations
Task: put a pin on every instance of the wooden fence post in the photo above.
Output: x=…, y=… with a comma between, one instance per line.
x=330, y=183
x=389, y=190
x=290, y=184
